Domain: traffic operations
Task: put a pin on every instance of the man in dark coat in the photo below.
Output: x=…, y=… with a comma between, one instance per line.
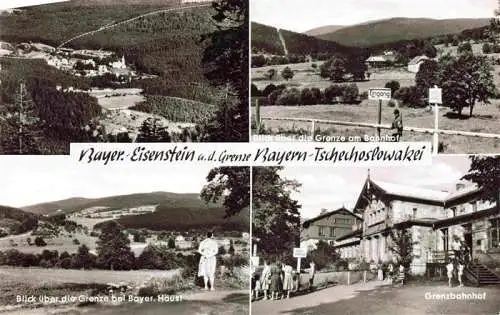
x=398, y=125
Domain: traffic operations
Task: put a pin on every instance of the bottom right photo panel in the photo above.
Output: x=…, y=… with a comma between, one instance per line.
x=383, y=240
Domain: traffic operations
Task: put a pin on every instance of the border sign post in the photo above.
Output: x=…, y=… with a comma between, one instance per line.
x=299, y=253
x=379, y=94
x=435, y=97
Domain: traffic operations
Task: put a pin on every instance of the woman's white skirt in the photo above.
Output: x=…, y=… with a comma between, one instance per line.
x=207, y=266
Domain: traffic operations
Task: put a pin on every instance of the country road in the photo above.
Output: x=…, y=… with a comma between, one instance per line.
x=103, y=28
x=224, y=302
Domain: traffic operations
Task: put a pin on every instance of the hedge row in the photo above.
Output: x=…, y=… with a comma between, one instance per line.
x=281, y=95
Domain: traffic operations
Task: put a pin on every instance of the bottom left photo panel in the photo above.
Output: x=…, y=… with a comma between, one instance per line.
x=123, y=239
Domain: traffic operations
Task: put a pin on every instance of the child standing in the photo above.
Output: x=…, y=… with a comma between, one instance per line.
x=460, y=273
x=401, y=276
x=449, y=271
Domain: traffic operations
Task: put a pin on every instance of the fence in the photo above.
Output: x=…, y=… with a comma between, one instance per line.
x=434, y=132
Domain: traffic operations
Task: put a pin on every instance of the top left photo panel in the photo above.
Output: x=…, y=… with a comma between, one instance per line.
x=87, y=71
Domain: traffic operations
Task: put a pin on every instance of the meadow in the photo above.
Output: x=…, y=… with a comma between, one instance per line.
x=365, y=112
x=305, y=76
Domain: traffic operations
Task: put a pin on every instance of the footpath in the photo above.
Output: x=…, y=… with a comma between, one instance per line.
x=313, y=299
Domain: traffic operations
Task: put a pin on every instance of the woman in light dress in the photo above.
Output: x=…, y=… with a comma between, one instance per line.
x=265, y=278
x=208, y=249
x=287, y=280
x=449, y=271
x=380, y=273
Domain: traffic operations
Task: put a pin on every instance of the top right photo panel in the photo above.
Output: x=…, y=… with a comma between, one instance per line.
x=377, y=70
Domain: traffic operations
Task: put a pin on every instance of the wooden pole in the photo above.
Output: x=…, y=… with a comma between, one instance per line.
x=313, y=129
x=257, y=116
x=436, y=129
x=379, y=119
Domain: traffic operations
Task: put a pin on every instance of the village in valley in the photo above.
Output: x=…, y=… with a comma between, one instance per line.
x=121, y=75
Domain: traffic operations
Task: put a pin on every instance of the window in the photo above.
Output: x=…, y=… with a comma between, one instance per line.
x=414, y=213
x=322, y=231
x=332, y=231
x=495, y=233
x=474, y=206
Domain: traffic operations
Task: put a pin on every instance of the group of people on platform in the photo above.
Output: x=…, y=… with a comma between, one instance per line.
x=277, y=281
x=391, y=274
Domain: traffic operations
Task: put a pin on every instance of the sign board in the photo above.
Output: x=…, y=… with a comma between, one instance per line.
x=435, y=96
x=255, y=260
x=380, y=94
x=299, y=252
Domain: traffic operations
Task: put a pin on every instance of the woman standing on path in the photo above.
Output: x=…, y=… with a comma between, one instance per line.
x=265, y=279
x=275, y=283
x=287, y=280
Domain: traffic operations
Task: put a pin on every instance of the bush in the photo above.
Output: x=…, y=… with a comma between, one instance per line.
x=271, y=73
x=268, y=90
x=350, y=94
x=76, y=241
x=393, y=85
x=410, y=96
x=363, y=96
x=496, y=48
x=287, y=73
x=40, y=242
x=307, y=97
x=332, y=92
x=486, y=48
x=255, y=90
x=273, y=97
x=289, y=97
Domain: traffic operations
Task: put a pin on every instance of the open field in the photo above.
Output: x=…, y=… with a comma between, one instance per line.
x=365, y=112
x=484, y=120
x=43, y=276
x=306, y=76
x=117, y=98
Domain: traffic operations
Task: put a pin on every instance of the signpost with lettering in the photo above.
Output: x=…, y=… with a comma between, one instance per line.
x=435, y=97
x=299, y=253
x=380, y=94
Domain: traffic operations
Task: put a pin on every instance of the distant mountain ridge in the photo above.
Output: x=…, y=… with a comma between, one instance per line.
x=327, y=29
x=113, y=202
x=175, y=211
x=265, y=38
x=399, y=29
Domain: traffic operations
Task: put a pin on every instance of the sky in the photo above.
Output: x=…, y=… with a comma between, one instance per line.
x=25, y=3
x=27, y=180
x=303, y=15
x=332, y=188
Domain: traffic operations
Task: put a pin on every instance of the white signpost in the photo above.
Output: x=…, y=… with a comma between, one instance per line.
x=435, y=97
x=380, y=94
x=299, y=253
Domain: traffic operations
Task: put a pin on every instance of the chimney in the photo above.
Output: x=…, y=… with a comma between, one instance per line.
x=323, y=211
